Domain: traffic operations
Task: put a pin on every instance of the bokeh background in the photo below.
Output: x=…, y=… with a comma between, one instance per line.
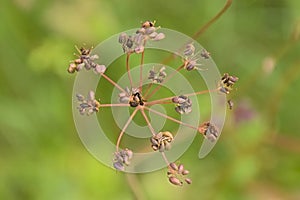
x=41, y=155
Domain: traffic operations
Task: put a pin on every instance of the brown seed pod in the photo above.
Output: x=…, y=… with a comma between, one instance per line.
x=175, y=181
x=180, y=169
x=188, y=181
x=173, y=166
x=185, y=172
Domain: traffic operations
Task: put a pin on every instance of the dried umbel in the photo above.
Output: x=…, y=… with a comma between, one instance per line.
x=136, y=43
x=122, y=158
x=183, y=104
x=134, y=97
x=226, y=83
x=86, y=60
x=88, y=105
x=209, y=130
x=177, y=173
x=157, y=76
x=161, y=141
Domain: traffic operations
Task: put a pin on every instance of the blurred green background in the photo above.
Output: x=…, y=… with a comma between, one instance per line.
x=41, y=155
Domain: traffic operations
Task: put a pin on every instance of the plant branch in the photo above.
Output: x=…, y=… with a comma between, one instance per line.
x=125, y=127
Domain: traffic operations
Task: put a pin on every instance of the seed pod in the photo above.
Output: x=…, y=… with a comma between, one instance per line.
x=77, y=61
x=123, y=38
x=180, y=169
x=185, y=172
x=175, y=181
x=118, y=166
x=173, y=166
x=159, y=36
x=72, y=68
x=188, y=181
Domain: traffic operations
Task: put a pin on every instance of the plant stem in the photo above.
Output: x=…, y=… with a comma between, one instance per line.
x=125, y=126
x=148, y=122
x=165, y=100
x=115, y=105
x=141, y=70
x=203, y=28
x=128, y=69
x=171, y=118
x=112, y=82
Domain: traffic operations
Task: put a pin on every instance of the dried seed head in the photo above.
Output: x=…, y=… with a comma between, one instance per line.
x=84, y=60
x=209, y=130
x=189, y=50
x=226, y=83
x=122, y=158
x=157, y=76
x=205, y=54
x=88, y=105
x=184, y=104
x=177, y=174
x=161, y=141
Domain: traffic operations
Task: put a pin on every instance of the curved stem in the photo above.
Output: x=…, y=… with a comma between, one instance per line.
x=213, y=20
x=203, y=28
x=125, y=127
x=171, y=118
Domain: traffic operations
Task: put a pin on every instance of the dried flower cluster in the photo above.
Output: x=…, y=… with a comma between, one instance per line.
x=209, y=130
x=227, y=83
x=161, y=141
x=88, y=105
x=136, y=43
x=122, y=158
x=177, y=173
x=157, y=76
x=192, y=58
x=87, y=61
x=183, y=104
x=137, y=99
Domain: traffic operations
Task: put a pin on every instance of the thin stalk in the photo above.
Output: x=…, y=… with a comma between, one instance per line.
x=115, y=105
x=165, y=100
x=148, y=122
x=112, y=82
x=125, y=127
x=171, y=118
x=128, y=69
x=141, y=70
x=203, y=28
x=165, y=158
